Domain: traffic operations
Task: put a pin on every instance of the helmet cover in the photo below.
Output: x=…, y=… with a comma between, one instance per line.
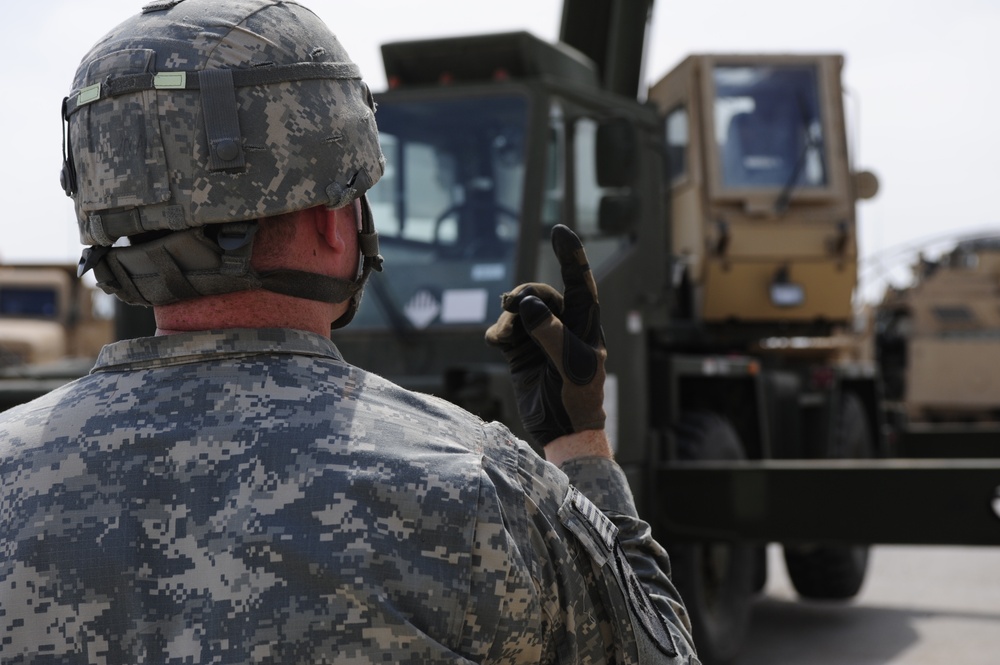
x=199, y=112
x=303, y=142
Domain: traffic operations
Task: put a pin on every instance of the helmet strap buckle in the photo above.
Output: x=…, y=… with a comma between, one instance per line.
x=236, y=242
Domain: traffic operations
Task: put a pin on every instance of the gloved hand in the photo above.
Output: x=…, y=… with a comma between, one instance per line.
x=555, y=347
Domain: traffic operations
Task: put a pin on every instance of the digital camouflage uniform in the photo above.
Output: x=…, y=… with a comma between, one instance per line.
x=246, y=496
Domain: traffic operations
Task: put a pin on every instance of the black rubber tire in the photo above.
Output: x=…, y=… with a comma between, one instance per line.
x=835, y=572
x=715, y=579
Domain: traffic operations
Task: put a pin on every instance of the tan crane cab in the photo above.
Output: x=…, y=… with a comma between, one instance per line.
x=761, y=178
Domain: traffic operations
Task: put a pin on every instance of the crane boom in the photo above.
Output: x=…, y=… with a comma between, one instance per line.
x=612, y=33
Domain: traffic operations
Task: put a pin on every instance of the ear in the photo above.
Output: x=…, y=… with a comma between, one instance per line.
x=329, y=229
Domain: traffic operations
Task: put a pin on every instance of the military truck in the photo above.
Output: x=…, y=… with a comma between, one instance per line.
x=934, y=335
x=932, y=340
x=50, y=329
x=719, y=217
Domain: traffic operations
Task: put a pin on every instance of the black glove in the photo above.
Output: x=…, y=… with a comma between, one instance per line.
x=555, y=347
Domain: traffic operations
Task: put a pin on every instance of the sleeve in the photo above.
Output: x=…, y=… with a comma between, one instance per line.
x=602, y=582
x=602, y=482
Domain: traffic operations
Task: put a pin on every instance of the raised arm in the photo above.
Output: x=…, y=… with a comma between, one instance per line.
x=555, y=347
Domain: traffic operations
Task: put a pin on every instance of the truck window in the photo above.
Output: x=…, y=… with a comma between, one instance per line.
x=768, y=126
x=587, y=193
x=555, y=192
x=426, y=190
x=447, y=210
x=677, y=143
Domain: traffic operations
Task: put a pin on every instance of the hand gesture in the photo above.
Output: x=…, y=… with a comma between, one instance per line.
x=555, y=347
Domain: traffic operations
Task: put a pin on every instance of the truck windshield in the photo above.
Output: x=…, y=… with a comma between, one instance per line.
x=447, y=211
x=768, y=126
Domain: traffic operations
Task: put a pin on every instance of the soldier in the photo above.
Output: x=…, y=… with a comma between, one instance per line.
x=231, y=490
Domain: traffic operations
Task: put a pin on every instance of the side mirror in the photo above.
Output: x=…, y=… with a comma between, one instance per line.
x=616, y=152
x=865, y=184
x=617, y=214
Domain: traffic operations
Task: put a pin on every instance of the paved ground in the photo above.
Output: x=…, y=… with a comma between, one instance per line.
x=919, y=606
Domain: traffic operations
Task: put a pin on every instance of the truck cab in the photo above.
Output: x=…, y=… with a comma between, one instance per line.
x=490, y=141
x=762, y=177
x=48, y=314
x=34, y=308
x=51, y=329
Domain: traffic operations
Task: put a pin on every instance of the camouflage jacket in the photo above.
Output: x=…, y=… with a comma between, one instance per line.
x=246, y=496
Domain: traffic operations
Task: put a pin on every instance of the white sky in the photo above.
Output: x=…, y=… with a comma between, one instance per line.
x=922, y=76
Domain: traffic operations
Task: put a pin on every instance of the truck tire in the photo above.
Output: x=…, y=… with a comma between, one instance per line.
x=715, y=579
x=835, y=572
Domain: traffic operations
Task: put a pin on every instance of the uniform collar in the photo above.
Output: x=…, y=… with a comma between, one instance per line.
x=192, y=347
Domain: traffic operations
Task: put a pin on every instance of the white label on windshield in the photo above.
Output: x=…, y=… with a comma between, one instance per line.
x=489, y=272
x=422, y=309
x=464, y=306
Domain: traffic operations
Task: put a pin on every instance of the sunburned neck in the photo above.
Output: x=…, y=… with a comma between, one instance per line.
x=247, y=309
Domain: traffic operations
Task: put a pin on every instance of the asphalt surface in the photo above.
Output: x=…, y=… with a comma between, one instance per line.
x=919, y=606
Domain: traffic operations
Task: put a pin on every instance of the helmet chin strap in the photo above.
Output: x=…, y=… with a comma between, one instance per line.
x=211, y=261
x=324, y=288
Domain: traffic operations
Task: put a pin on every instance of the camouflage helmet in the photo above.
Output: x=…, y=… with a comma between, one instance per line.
x=193, y=120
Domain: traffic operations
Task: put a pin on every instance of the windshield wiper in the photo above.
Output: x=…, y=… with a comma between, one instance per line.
x=784, y=198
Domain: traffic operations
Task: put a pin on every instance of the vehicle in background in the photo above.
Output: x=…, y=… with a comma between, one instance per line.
x=719, y=218
x=934, y=341
x=934, y=335
x=51, y=329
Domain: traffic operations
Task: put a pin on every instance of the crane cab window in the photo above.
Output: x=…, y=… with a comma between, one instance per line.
x=768, y=126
